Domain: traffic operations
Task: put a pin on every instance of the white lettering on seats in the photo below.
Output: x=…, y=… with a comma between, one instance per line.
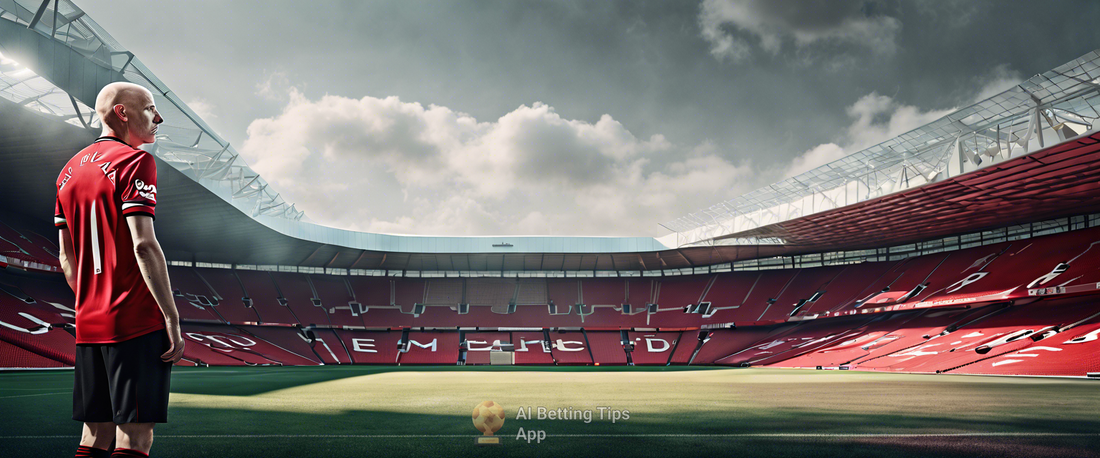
x=1007, y=361
x=649, y=345
x=229, y=340
x=562, y=347
x=42, y=327
x=966, y=281
x=470, y=344
x=1095, y=334
x=523, y=345
x=431, y=345
x=363, y=345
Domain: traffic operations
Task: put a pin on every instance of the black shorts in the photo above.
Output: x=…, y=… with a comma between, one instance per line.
x=123, y=382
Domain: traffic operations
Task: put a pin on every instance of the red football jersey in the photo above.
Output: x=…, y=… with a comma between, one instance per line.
x=95, y=191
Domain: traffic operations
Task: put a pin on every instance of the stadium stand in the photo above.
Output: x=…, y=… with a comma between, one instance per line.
x=227, y=290
x=603, y=291
x=655, y=348
x=868, y=316
x=371, y=290
x=640, y=292
x=258, y=287
x=1010, y=330
x=564, y=294
x=607, y=347
x=295, y=289
x=570, y=348
x=494, y=292
x=430, y=348
x=34, y=329
x=531, y=292
x=532, y=348
x=802, y=288
x=370, y=347
x=208, y=341
x=407, y=292
x=915, y=332
x=845, y=287
x=193, y=308
x=293, y=341
x=874, y=335
x=444, y=291
x=1067, y=350
x=478, y=345
x=336, y=300
x=722, y=343
x=18, y=241
x=681, y=292
x=15, y=357
x=797, y=340
x=686, y=347
x=765, y=290
x=329, y=347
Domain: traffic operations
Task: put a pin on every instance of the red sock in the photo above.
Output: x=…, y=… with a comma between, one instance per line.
x=85, y=451
x=128, y=453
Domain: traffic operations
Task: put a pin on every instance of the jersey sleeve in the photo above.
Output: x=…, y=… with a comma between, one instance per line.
x=59, y=220
x=139, y=187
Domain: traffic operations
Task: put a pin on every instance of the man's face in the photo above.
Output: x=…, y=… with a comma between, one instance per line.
x=143, y=119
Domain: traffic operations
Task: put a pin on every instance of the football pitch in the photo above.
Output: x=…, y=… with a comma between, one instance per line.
x=354, y=411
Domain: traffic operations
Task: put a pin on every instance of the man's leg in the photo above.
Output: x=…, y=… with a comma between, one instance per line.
x=98, y=435
x=92, y=403
x=134, y=437
x=140, y=388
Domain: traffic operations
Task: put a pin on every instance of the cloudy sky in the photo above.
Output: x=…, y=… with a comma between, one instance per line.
x=572, y=118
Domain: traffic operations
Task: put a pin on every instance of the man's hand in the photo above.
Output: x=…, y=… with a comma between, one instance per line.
x=175, y=352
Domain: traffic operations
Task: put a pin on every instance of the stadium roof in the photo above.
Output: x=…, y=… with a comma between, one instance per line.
x=1046, y=109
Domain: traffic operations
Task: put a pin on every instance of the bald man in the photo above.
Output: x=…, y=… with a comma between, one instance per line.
x=127, y=326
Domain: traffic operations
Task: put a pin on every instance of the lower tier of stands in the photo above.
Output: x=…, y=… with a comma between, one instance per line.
x=1028, y=307
x=1049, y=337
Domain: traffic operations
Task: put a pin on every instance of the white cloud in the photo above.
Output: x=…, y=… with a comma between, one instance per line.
x=997, y=81
x=772, y=24
x=385, y=165
x=274, y=87
x=875, y=119
x=204, y=109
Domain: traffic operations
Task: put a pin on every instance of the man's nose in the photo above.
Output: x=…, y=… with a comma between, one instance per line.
x=158, y=119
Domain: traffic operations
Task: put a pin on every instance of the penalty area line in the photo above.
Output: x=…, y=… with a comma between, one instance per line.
x=733, y=435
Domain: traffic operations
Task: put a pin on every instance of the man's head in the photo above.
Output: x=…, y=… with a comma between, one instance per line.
x=128, y=112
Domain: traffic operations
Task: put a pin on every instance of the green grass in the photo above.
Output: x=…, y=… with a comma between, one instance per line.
x=851, y=413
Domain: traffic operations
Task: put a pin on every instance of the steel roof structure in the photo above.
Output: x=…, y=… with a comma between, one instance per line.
x=1044, y=110
x=73, y=57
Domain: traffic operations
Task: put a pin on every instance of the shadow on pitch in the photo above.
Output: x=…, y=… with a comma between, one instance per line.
x=249, y=381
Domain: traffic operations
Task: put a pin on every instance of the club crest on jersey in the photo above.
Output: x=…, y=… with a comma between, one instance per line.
x=148, y=191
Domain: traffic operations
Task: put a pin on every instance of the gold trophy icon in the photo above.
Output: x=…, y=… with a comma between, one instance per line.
x=488, y=418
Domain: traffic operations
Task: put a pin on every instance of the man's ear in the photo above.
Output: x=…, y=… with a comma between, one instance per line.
x=120, y=111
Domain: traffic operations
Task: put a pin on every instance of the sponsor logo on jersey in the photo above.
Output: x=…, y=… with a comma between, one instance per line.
x=148, y=191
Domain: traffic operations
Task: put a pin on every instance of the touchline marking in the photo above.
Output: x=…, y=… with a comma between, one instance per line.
x=39, y=394
x=418, y=436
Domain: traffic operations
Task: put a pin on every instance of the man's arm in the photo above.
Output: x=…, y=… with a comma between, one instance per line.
x=154, y=269
x=67, y=256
